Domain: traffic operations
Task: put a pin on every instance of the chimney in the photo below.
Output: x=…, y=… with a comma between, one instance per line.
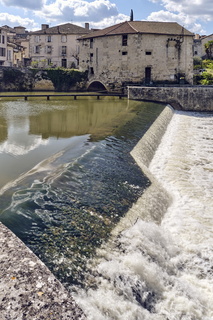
x=87, y=25
x=44, y=26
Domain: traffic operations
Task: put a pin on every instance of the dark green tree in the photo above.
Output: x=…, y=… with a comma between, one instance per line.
x=131, y=15
x=209, y=49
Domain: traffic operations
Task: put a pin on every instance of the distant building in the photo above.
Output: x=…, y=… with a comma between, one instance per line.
x=204, y=40
x=3, y=46
x=140, y=52
x=17, y=46
x=56, y=46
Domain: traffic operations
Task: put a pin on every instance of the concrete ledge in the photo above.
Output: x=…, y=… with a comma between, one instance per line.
x=28, y=290
x=187, y=98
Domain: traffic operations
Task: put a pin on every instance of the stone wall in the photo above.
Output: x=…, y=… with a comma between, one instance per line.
x=114, y=64
x=15, y=79
x=187, y=98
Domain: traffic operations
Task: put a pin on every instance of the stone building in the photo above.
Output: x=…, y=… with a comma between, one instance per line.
x=17, y=47
x=137, y=52
x=3, y=46
x=56, y=46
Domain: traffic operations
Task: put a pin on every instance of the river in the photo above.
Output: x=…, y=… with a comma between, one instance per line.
x=67, y=175
x=120, y=209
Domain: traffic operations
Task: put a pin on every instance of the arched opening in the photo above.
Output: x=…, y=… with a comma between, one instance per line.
x=96, y=86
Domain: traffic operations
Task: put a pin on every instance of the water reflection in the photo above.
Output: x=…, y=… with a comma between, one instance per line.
x=29, y=130
x=67, y=175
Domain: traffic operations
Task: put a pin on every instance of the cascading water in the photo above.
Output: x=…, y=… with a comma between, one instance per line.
x=158, y=262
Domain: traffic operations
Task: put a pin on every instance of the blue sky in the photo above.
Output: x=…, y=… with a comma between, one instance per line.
x=196, y=15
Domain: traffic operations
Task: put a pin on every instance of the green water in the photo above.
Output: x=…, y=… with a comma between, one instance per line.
x=67, y=175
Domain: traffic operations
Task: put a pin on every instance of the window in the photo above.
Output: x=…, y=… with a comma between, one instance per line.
x=64, y=50
x=124, y=39
x=64, y=38
x=37, y=49
x=2, y=52
x=91, y=70
x=9, y=54
x=49, y=49
x=0, y=38
x=96, y=55
x=124, y=53
x=3, y=39
x=49, y=39
x=91, y=43
x=148, y=53
x=36, y=38
x=49, y=62
x=91, y=57
x=64, y=63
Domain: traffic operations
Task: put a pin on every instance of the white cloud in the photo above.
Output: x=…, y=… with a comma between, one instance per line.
x=189, y=22
x=186, y=13
x=13, y=21
x=78, y=11
x=199, y=8
x=104, y=23
x=27, y=4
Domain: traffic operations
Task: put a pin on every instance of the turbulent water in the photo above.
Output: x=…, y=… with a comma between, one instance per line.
x=158, y=263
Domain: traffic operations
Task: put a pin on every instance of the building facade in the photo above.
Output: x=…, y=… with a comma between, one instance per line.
x=137, y=52
x=3, y=46
x=56, y=46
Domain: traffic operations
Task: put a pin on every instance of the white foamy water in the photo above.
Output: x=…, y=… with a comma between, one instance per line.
x=162, y=269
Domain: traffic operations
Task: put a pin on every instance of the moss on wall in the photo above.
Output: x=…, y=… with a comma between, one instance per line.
x=25, y=80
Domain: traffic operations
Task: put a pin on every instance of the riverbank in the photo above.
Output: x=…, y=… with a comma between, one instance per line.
x=28, y=290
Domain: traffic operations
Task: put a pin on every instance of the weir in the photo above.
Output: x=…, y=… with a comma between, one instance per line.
x=187, y=98
x=148, y=273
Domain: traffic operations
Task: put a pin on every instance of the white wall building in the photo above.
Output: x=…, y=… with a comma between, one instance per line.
x=3, y=46
x=56, y=46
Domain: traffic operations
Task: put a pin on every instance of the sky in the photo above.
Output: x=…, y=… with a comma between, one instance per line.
x=194, y=15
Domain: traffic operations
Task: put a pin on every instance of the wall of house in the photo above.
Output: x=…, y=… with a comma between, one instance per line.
x=112, y=63
x=3, y=46
x=50, y=49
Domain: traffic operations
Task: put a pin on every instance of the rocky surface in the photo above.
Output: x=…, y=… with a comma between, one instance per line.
x=28, y=290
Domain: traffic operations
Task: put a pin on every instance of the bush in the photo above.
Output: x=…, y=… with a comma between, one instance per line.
x=207, y=78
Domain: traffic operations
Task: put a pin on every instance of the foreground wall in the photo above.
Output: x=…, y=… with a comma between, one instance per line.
x=28, y=290
x=187, y=98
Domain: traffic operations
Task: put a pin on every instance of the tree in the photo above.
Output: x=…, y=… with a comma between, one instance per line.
x=209, y=49
x=131, y=15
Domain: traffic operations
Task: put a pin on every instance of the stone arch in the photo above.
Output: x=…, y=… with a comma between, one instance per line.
x=96, y=86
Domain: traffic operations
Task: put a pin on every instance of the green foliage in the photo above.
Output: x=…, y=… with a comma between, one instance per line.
x=11, y=75
x=209, y=49
x=208, y=64
x=207, y=78
x=197, y=62
x=63, y=79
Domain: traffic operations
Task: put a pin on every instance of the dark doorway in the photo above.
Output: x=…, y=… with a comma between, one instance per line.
x=64, y=63
x=148, y=73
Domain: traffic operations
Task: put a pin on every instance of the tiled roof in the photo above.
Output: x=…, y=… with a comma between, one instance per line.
x=151, y=27
x=67, y=28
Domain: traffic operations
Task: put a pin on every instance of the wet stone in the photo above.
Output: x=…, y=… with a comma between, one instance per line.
x=28, y=290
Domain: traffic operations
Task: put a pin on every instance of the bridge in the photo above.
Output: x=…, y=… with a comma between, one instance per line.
x=74, y=95
x=187, y=98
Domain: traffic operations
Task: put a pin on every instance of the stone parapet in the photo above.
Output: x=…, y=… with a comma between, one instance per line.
x=187, y=98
